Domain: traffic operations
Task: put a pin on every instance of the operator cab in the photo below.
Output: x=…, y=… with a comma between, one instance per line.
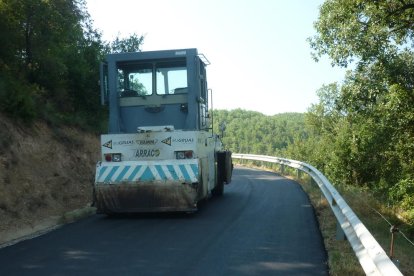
x=165, y=89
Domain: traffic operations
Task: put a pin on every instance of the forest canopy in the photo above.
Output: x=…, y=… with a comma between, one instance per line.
x=365, y=126
x=49, y=61
x=254, y=132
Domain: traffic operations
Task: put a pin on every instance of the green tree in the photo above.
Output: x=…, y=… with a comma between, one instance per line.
x=367, y=134
x=363, y=31
x=132, y=43
x=49, y=63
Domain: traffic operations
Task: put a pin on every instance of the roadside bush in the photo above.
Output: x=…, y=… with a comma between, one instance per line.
x=16, y=98
x=402, y=195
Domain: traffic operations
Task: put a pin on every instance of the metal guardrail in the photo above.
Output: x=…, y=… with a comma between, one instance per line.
x=372, y=257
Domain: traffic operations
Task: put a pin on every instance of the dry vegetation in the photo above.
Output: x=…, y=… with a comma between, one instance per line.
x=44, y=173
x=341, y=257
x=342, y=260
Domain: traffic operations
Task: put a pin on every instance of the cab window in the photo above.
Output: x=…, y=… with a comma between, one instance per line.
x=134, y=81
x=171, y=78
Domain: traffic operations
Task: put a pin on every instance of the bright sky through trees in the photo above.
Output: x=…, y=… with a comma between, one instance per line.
x=260, y=59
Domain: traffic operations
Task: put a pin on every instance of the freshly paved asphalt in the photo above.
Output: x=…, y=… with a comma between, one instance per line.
x=262, y=225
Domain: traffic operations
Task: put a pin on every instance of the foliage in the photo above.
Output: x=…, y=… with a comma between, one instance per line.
x=253, y=132
x=124, y=45
x=365, y=125
x=15, y=98
x=49, y=63
x=363, y=30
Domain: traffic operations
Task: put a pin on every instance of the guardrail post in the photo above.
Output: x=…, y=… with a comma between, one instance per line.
x=340, y=234
x=393, y=230
x=282, y=169
x=298, y=174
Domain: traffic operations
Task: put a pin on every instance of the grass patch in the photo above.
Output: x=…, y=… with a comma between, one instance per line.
x=78, y=214
x=378, y=218
x=341, y=257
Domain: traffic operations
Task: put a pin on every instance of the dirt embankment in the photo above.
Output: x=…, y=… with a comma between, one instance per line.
x=44, y=172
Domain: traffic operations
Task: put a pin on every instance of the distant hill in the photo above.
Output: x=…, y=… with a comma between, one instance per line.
x=254, y=132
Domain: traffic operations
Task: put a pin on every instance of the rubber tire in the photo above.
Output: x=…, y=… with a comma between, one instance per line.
x=219, y=189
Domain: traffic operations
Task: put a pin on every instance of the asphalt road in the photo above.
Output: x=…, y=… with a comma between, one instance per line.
x=262, y=225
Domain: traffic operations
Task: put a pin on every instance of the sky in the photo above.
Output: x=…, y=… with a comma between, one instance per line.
x=260, y=59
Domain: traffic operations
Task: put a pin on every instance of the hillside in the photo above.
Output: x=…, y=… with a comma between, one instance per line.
x=44, y=172
x=253, y=132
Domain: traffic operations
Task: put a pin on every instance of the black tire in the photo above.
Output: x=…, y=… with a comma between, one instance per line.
x=93, y=204
x=219, y=189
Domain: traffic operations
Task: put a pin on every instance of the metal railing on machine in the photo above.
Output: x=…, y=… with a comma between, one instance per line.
x=372, y=257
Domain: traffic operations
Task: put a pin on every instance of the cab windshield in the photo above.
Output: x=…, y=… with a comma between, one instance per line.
x=143, y=79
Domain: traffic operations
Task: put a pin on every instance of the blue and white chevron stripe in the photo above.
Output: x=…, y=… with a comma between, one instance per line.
x=178, y=170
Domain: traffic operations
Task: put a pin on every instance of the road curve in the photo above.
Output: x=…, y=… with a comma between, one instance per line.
x=262, y=225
